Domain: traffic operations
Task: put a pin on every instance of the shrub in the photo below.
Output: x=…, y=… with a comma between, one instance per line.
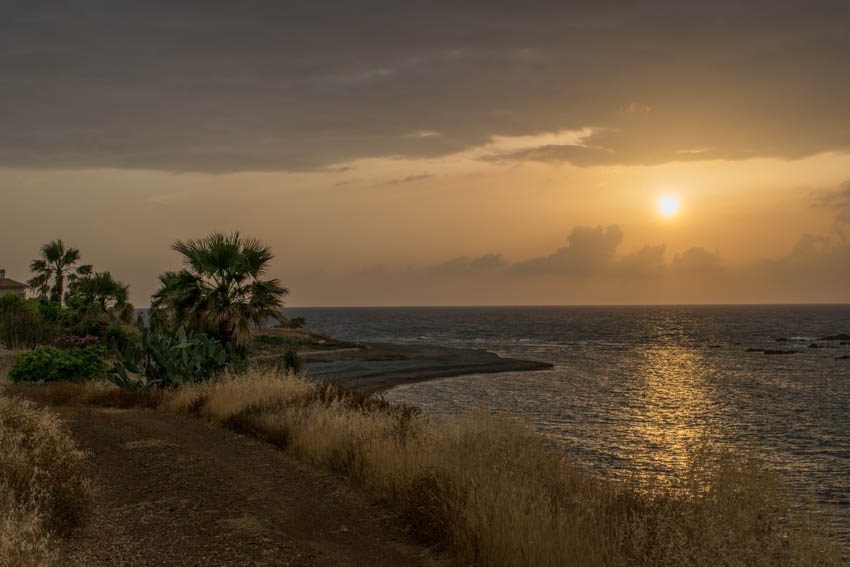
x=118, y=338
x=22, y=324
x=168, y=360
x=292, y=362
x=112, y=334
x=53, y=311
x=50, y=364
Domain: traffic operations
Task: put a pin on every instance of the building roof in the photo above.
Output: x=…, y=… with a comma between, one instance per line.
x=6, y=283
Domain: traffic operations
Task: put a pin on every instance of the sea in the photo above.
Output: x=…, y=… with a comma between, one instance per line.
x=635, y=390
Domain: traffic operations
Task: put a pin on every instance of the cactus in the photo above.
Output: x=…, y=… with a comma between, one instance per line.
x=168, y=360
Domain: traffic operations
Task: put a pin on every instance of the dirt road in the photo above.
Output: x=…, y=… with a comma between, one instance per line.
x=177, y=491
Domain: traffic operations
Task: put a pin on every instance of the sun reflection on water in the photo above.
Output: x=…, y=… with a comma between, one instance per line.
x=671, y=410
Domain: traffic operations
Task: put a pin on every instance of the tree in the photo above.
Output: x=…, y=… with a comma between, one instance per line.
x=100, y=294
x=220, y=291
x=54, y=270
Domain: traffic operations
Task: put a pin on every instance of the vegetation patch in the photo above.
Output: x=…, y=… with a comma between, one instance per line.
x=164, y=359
x=49, y=364
x=266, y=342
x=43, y=492
x=22, y=324
x=489, y=489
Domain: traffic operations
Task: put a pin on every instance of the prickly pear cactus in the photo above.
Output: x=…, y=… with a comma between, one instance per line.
x=168, y=360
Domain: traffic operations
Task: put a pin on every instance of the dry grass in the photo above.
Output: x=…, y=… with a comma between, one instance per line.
x=42, y=486
x=98, y=393
x=490, y=491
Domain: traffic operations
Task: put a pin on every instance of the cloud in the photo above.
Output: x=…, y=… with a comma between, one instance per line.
x=339, y=169
x=606, y=146
x=577, y=155
x=816, y=253
x=810, y=246
x=696, y=260
x=839, y=201
x=590, y=252
x=648, y=261
x=410, y=179
x=221, y=86
x=464, y=265
x=591, y=270
x=842, y=222
x=818, y=266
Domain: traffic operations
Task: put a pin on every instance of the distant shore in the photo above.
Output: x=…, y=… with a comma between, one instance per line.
x=377, y=367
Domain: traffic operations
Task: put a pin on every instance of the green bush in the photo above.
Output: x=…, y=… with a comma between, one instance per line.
x=292, y=362
x=50, y=364
x=53, y=311
x=118, y=338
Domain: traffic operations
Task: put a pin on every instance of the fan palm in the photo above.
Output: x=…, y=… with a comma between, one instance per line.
x=54, y=270
x=220, y=291
x=101, y=293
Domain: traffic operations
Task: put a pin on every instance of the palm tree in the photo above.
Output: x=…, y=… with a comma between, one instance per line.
x=100, y=293
x=54, y=270
x=220, y=292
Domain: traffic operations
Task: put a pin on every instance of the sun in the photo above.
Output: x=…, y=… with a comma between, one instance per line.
x=668, y=205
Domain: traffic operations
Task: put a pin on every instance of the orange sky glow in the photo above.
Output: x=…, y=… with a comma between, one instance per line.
x=493, y=166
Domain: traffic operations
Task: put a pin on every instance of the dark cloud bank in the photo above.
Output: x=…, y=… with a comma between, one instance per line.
x=839, y=202
x=219, y=86
x=590, y=252
x=817, y=268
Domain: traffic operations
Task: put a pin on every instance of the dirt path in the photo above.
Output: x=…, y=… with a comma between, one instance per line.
x=173, y=490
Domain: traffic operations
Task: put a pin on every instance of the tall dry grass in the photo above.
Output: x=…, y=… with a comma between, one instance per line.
x=490, y=491
x=42, y=486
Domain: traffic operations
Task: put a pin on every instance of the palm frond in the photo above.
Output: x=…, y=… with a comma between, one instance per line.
x=218, y=291
x=55, y=266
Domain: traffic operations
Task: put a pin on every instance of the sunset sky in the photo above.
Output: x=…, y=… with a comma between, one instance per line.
x=438, y=153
